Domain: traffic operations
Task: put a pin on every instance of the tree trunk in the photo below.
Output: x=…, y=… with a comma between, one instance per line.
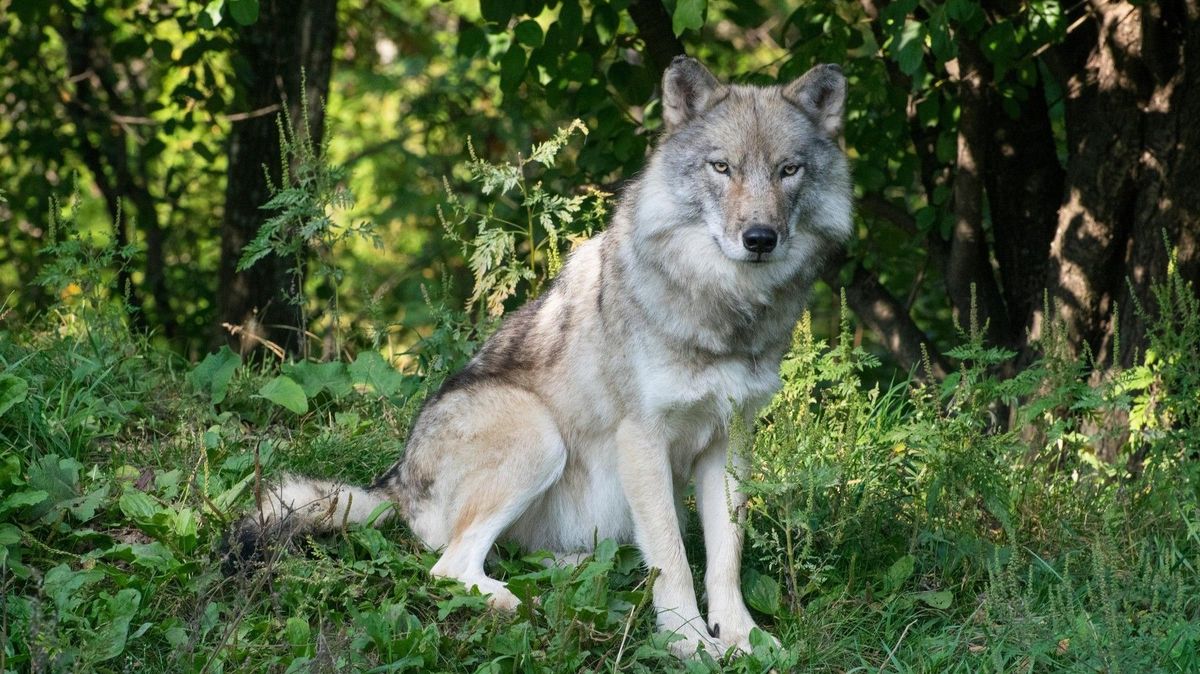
x=970, y=283
x=1024, y=184
x=1132, y=80
x=289, y=37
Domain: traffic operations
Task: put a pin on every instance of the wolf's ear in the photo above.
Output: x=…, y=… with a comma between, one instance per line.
x=821, y=94
x=688, y=90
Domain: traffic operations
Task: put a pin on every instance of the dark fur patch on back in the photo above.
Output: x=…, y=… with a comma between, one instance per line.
x=566, y=320
x=506, y=354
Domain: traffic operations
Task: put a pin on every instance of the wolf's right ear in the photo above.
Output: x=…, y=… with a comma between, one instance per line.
x=688, y=89
x=821, y=94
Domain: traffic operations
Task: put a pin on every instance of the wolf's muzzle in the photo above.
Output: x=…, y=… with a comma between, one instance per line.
x=760, y=240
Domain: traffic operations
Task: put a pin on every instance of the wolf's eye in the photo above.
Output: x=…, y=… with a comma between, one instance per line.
x=720, y=167
x=790, y=170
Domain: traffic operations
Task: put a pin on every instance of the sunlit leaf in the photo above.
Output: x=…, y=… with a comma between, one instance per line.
x=688, y=15
x=286, y=393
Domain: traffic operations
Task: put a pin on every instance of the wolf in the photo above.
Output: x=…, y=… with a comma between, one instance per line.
x=590, y=410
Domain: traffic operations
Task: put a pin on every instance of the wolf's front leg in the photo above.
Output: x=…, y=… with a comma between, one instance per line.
x=722, y=509
x=645, y=469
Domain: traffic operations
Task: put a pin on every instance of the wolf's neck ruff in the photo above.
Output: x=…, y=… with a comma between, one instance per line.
x=589, y=411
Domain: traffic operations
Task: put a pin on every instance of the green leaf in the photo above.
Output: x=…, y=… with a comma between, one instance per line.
x=472, y=41
x=606, y=22
x=58, y=477
x=940, y=37
x=940, y=599
x=84, y=508
x=762, y=593
x=176, y=636
x=570, y=23
x=111, y=638
x=496, y=11
x=186, y=524
x=285, y=392
x=63, y=586
x=137, y=506
x=225, y=499
x=9, y=534
x=578, y=67
x=212, y=375
x=297, y=631
x=1001, y=45
x=512, y=67
x=967, y=13
x=899, y=572
x=689, y=14
x=29, y=497
x=211, y=18
x=529, y=33
x=370, y=369
x=153, y=556
x=244, y=12
x=317, y=377
x=13, y=391
x=910, y=47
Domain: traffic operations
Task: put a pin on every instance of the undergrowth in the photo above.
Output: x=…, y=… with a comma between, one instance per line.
x=978, y=524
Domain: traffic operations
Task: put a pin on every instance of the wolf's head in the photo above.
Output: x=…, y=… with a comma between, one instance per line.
x=755, y=172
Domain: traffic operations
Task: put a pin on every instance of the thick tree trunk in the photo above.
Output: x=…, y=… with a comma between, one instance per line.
x=1133, y=101
x=1024, y=184
x=289, y=37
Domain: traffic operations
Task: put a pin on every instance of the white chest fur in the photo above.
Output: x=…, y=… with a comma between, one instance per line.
x=692, y=405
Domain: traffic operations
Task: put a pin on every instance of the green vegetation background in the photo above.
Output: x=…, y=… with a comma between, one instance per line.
x=971, y=523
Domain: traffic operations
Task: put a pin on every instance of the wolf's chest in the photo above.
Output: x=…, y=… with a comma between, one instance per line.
x=691, y=404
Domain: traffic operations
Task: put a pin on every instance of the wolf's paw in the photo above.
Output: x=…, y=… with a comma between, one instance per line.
x=499, y=597
x=732, y=631
x=693, y=639
x=503, y=600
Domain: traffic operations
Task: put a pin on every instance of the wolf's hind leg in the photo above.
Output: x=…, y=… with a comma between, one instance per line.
x=516, y=455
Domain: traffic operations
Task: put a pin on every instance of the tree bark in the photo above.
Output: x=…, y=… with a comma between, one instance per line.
x=654, y=27
x=289, y=37
x=1133, y=98
x=970, y=282
x=1024, y=186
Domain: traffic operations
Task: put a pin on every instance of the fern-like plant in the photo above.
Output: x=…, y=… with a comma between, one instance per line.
x=522, y=233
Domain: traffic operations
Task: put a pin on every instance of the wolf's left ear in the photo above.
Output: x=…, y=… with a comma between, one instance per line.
x=821, y=94
x=688, y=89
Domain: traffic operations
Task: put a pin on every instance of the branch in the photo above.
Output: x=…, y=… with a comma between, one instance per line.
x=877, y=206
x=880, y=311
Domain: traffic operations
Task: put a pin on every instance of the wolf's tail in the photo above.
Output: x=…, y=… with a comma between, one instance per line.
x=295, y=506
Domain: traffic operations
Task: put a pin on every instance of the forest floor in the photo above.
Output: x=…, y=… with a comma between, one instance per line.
x=902, y=528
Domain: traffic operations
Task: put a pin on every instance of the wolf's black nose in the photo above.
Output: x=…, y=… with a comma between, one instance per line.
x=759, y=239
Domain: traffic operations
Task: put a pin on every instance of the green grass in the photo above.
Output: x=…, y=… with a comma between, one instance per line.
x=892, y=530
x=1046, y=522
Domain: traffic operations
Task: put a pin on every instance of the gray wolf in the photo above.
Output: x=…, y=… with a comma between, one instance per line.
x=590, y=410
